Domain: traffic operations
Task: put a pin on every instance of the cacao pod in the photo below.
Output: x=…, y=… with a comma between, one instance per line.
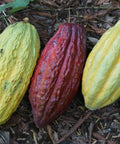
x=19, y=50
x=58, y=73
x=101, y=76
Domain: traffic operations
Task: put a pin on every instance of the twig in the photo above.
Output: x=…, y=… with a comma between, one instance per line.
x=78, y=8
x=34, y=137
x=75, y=127
x=68, y=15
x=90, y=129
x=49, y=129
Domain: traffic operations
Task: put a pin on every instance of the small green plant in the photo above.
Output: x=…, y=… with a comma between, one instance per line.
x=16, y=5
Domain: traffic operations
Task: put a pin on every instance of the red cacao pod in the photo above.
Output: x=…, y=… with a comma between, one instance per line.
x=58, y=74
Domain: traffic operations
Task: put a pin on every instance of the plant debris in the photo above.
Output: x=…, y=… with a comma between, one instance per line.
x=77, y=125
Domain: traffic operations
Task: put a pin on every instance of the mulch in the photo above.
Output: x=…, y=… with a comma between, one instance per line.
x=77, y=125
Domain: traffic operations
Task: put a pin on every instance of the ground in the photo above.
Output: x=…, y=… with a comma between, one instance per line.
x=82, y=126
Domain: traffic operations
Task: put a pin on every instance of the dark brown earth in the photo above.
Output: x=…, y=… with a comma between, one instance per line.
x=98, y=127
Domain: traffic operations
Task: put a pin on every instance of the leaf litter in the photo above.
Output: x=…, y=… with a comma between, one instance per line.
x=77, y=125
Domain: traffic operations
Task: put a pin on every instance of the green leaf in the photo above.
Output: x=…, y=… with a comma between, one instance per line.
x=16, y=5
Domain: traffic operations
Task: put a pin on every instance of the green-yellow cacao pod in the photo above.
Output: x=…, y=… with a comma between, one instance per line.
x=19, y=50
x=101, y=76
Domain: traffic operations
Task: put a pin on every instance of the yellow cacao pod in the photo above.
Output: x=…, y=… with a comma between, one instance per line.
x=101, y=76
x=19, y=50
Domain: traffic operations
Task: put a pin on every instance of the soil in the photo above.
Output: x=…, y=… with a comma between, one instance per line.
x=97, y=127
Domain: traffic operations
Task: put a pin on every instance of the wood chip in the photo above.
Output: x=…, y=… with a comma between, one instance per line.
x=99, y=137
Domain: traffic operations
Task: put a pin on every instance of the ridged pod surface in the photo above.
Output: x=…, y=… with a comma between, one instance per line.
x=58, y=73
x=19, y=50
x=101, y=76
